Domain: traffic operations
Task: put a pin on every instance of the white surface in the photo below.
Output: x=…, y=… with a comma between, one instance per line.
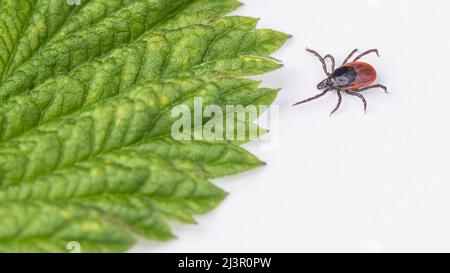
x=352, y=182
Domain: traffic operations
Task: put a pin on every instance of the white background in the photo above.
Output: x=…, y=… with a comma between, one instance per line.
x=352, y=182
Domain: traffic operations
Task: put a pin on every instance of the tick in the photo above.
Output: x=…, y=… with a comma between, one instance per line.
x=351, y=78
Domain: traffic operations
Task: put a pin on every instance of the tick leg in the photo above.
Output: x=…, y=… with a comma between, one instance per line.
x=313, y=98
x=365, y=53
x=333, y=62
x=349, y=56
x=339, y=102
x=373, y=86
x=324, y=65
x=359, y=96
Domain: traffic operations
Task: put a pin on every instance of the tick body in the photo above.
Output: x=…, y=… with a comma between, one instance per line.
x=350, y=78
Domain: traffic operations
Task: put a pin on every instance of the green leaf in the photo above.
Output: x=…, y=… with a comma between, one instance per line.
x=87, y=95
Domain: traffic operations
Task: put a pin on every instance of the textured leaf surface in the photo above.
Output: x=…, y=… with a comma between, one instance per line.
x=86, y=95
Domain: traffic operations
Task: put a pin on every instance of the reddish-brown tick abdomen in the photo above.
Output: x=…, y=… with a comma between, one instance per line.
x=365, y=75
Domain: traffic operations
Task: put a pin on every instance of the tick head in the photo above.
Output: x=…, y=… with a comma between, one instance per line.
x=324, y=84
